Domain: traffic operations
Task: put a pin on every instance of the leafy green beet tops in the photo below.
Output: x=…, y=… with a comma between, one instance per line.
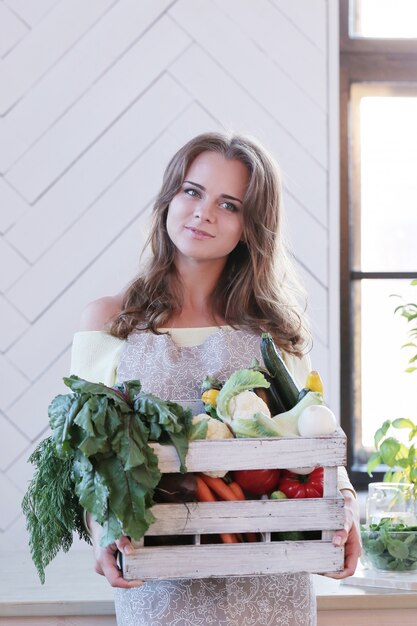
x=98, y=459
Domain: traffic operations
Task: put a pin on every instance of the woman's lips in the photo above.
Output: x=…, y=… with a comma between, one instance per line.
x=199, y=234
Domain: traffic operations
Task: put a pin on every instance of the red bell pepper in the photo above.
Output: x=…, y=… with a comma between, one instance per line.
x=257, y=482
x=302, y=485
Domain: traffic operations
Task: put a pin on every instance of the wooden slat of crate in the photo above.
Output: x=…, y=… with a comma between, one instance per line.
x=211, y=561
x=247, y=516
x=265, y=557
x=234, y=454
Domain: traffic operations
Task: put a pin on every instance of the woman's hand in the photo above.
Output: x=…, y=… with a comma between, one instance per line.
x=105, y=558
x=349, y=537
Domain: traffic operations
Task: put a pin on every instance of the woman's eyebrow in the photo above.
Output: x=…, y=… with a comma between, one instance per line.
x=223, y=195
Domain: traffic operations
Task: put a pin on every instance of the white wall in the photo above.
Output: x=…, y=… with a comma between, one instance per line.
x=94, y=98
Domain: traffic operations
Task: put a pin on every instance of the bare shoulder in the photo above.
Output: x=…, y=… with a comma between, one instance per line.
x=100, y=312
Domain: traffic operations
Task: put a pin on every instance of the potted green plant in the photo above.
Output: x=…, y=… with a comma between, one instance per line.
x=390, y=539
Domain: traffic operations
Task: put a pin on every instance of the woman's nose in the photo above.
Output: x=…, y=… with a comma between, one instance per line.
x=204, y=211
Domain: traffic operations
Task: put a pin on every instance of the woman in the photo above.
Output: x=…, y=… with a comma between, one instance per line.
x=218, y=276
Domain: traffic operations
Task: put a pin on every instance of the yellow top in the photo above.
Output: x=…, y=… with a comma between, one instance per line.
x=95, y=356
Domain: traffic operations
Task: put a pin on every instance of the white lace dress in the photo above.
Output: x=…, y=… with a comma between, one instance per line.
x=175, y=373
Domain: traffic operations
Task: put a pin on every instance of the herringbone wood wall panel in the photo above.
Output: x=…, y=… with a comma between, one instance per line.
x=94, y=98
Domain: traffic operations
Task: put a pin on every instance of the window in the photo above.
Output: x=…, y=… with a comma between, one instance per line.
x=378, y=114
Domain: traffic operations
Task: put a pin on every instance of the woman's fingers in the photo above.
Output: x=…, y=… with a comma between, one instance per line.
x=349, y=537
x=106, y=563
x=112, y=572
x=124, y=545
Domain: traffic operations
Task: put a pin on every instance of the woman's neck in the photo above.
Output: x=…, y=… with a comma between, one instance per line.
x=198, y=282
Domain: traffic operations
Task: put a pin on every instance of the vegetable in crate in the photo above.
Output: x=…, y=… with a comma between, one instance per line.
x=302, y=486
x=248, y=415
x=100, y=460
x=206, y=427
x=209, y=392
x=282, y=381
x=257, y=482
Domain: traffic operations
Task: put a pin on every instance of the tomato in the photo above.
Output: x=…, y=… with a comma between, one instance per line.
x=302, y=486
x=257, y=482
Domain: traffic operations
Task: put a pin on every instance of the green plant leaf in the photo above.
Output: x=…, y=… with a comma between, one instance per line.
x=241, y=380
x=199, y=429
x=128, y=497
x=404, y=463
x=112, y=529
x=373, y=462
x=410, y=369
x=381, y=432
x=90, y=487
x=389, y=449
x=403, y=422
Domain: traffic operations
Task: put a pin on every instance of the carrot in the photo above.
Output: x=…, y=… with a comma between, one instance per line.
x=204, y=494
x=237, y=490
x=250, y=537
x=229, y=538
x=219, y=487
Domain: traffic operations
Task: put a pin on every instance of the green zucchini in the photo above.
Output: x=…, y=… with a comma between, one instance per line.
x=282, y=380
x=270, y=396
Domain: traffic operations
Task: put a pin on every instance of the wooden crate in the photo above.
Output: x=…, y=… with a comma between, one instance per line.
x=261, y=516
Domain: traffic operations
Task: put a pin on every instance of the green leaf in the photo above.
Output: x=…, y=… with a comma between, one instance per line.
x=241, y=380
x=410, y=369
x=133, y=441
x=128, y=499
x=112, y=529
x=389, y=449
x=397, y=548
x=210, y=382
x=62, y=411
x=199, y=430
x=410, y=344
x=403, y=422
x=90, y=487
x=381, y=432
x=130, y=388
x=82, y=386
x=373, y=462
x=168, y=417
x=404, y=463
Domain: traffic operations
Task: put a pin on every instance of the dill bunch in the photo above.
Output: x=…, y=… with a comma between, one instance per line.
x=51, y=507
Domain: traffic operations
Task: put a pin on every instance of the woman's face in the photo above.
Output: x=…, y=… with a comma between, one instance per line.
x=204, y=218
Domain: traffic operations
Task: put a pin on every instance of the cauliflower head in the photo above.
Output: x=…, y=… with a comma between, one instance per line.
x=246, y=404
x=215, y=428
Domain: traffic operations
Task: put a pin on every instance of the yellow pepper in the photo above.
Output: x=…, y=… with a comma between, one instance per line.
x=210, y=397
x=314, y=382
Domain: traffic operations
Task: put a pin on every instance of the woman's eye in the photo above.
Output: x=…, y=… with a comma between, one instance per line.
x=230, y=206
x=191, y=192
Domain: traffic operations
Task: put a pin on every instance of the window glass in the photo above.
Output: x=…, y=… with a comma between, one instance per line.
x=387, y=391
x=384, y=19
x=388, y=183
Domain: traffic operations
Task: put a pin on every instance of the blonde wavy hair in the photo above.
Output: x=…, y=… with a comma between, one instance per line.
x=258, y=289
